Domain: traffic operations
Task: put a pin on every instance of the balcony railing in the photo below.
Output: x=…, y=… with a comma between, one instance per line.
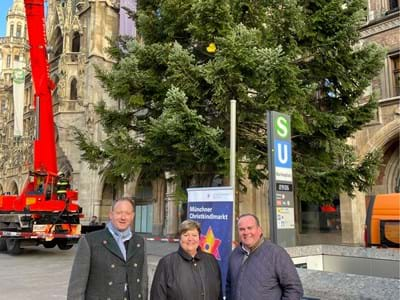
x=13, y=40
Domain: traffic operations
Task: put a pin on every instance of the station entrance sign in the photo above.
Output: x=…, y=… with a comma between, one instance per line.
x=280, y=197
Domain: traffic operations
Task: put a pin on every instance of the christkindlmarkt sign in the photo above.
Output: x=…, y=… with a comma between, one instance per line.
x=212, y=207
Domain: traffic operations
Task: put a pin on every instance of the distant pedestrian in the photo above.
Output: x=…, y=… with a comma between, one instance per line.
x=111, y=263
x=259, y=269
x=189, y=273
x=93, y=221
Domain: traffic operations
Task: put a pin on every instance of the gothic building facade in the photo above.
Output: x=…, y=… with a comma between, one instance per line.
x=78, y=32
x=383, y=133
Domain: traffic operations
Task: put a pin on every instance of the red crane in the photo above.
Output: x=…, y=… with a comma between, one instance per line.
x=44, y=146
x=46, y=212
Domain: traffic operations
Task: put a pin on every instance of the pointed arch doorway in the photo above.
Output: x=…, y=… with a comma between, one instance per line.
x=111, y=192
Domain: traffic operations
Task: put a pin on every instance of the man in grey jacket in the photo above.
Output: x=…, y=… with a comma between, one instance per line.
x=111, y=263
x=259, y=269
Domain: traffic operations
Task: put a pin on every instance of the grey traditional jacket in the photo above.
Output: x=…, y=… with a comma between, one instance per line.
x=266, y=273
x=100, y=271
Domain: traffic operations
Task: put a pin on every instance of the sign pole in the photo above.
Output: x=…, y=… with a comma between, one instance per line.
x=232, y=169
x=271, y=180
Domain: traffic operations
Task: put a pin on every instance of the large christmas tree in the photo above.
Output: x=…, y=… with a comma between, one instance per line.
x=191, y=57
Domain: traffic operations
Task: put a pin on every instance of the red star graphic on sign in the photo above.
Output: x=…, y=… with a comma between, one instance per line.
x=210, y=244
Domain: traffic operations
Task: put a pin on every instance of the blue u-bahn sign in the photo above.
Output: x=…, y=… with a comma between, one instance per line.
x=280, y=198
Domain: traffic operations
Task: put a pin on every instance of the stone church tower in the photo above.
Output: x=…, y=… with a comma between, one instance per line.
x=78, y=35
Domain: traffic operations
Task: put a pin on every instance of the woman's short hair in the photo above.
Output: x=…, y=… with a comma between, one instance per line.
x=188, y=225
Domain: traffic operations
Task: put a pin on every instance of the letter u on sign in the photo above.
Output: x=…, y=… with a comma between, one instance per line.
x=283, y=154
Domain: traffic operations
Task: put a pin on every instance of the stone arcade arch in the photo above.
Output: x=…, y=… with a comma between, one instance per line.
x=110, y=193
x=13, y=188
x=353, y=212
x=392, y=182
x=386, y=139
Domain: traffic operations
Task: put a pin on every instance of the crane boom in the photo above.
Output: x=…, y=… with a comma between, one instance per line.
x=44, y=145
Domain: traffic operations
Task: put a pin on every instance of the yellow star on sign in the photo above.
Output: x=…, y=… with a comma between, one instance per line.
x=211, y=48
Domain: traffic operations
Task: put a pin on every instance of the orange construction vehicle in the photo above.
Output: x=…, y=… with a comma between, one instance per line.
x=39, y=215
x=383, y=221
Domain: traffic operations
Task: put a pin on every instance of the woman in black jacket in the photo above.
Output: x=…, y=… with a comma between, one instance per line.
x=188, y=273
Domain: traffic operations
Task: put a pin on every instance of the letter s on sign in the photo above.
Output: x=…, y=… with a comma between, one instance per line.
x=282, y=126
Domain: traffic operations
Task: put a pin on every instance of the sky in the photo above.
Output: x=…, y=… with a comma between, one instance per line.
x=5, y=5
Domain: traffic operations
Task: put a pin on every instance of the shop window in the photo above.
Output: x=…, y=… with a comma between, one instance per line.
x=73, y=90
x=144, y=218
x=144, y=207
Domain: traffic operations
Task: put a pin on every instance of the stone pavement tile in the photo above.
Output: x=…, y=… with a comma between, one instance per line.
x=160, y=249
x=43, y=274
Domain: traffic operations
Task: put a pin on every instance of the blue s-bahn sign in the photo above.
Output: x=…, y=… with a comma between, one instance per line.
x=280, y=198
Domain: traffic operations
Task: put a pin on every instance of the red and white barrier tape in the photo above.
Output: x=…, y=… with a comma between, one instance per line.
x=160, y=239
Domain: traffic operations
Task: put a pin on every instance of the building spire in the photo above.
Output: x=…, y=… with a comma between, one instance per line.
x=16, y=19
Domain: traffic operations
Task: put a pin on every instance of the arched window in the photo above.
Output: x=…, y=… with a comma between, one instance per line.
x=58, y=48
x=11, y=30
x=19, y=30
x=395, y=65
x=55, y=91
x=73, y=92
x=14, y=188
x=3, y=106
x=76, y=42
x=393, y=4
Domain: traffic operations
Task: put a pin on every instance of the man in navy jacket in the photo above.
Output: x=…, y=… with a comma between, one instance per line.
x=259, y=269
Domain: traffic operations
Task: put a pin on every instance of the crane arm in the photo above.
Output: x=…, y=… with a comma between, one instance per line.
x=45, y=159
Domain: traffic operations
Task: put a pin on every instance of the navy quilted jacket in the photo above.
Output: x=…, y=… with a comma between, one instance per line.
x=267, y=273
